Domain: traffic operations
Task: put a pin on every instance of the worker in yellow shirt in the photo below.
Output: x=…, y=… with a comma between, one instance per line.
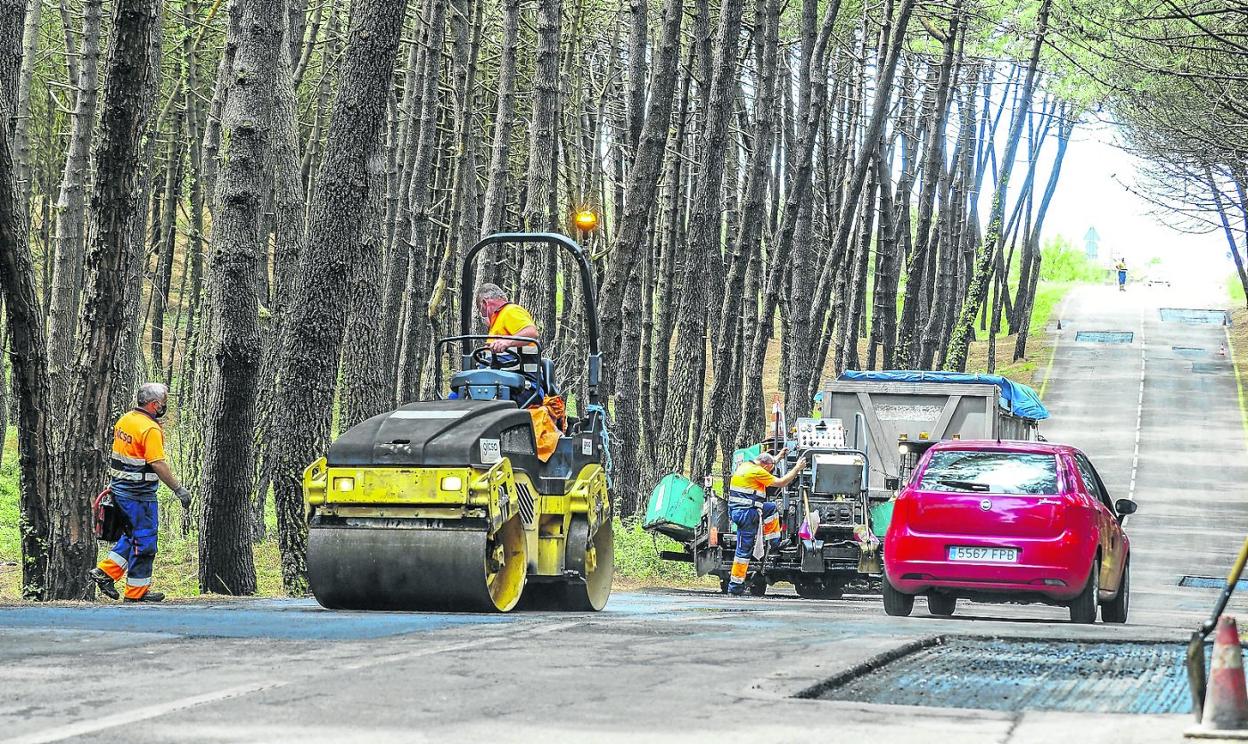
x=504, y=318
x=749, y=509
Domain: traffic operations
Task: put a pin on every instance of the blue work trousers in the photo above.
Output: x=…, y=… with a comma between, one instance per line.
x=746, y=520
x=136, y=550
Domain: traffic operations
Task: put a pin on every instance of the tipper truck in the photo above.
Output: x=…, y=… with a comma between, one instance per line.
x=869, y=430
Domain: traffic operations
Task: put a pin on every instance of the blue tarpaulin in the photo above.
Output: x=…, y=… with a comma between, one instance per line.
x=1015, y=397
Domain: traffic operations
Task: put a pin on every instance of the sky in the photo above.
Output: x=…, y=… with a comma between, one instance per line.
x=1093, y=191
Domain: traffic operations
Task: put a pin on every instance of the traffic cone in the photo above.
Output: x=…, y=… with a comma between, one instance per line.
x=1226, y=702
x=1222, y=350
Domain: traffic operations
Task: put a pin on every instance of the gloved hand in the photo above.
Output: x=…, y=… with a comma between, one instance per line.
x=184, y=495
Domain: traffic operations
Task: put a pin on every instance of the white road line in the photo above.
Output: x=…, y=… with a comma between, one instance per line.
x=95, y=725
x=1139, y=408
x=83, y=728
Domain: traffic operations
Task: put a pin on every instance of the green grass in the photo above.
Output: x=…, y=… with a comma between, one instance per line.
x=637, y=556
x=1235, y=290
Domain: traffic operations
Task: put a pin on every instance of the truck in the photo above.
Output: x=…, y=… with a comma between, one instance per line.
x=868, y=431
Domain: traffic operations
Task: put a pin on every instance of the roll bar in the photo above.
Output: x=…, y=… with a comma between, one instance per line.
x=467, y=283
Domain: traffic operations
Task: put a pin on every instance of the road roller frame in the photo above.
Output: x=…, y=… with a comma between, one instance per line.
x=444, y=504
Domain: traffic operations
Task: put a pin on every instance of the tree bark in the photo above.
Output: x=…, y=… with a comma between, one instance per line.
x=312, y=339
x=70, y=225
x=116, y=206
x=239, y=249
x=964, y=329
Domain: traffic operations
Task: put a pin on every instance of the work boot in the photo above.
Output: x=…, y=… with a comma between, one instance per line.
x=736, y=590
x=105, y=583
x=149, y=597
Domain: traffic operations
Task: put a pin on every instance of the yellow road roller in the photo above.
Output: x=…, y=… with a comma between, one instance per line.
x=455, y=503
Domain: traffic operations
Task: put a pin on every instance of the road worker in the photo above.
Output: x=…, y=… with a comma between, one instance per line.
x=749, y=508
x=504, y=318
x=1121, y=268
x=137, y=467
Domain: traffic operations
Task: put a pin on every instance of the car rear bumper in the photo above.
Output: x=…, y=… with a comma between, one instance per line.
x=1053, y=569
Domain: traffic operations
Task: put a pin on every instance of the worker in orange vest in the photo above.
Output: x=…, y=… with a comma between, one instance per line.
x=749, y=509
x=136, y=468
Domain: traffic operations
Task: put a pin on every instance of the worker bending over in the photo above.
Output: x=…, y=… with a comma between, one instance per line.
x=504, y=318
x=137, y=467
x=748, y=508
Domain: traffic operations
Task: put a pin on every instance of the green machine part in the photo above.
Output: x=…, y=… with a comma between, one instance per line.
x=881, y=515
x=749, y=453
x=675, y=507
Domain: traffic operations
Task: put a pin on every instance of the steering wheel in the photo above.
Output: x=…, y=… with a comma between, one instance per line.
x=488, y=358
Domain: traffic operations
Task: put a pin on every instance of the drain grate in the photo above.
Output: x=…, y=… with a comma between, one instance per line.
x=1195, y=316
x=1209, y=582
x=1205, y=368
x=1191, y=352
x=1105, y=337
x=1026, y=675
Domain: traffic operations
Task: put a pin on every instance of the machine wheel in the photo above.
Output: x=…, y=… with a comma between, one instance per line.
x=941, y=605
x=758, y=586
x=723, y=584
x=817, y=590
x=595, y=560
x=897, y=604
x=1083, y=607
x=384, y=568
x=1115, y=610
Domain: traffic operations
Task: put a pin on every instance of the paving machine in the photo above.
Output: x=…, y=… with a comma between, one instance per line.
x=826, y=541
x=451, y=504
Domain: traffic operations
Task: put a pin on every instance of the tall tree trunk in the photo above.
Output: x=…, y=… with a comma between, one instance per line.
x=21, y=115
x=537, y=285
x=964, y=329
x=116, y=207
x=70, y=225
x=312, y=339
x=238, y=258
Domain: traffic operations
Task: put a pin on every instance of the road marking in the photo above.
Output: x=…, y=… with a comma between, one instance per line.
x=1139, y=408
x=95, y=725
x=83, y=728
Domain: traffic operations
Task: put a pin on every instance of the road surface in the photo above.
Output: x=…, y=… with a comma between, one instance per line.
x=1162, y=424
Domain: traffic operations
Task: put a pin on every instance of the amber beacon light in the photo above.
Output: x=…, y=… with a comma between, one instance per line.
x=586, y=220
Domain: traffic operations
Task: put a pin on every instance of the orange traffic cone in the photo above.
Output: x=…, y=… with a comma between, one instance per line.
x=1226, y=702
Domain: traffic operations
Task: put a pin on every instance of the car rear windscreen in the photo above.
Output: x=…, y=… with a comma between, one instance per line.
x=990, y=472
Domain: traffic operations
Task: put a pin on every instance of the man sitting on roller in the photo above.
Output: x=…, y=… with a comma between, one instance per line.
x=504, y=318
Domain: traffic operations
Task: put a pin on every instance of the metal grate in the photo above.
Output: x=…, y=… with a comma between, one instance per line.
x=1195, y=316
x=526, y=503
x=1191, y=352
x=1010, y=675
x=1205, y=368
x=1105, y=337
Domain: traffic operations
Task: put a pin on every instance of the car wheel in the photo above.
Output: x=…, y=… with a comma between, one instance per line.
x=897, y=604
x=1115, y=610
x=1083, y=607
x=941, y=604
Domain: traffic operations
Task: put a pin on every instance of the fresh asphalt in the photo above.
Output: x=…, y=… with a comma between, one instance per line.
x=671, y=666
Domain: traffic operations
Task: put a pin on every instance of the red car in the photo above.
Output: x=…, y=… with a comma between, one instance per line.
x=1008, y=522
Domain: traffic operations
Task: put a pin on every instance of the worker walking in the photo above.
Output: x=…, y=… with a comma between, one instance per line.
x=137, y=466
x=749, y=509
x=504, y=318
x=1121, y=268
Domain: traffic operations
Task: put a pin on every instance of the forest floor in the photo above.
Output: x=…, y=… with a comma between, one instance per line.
x=637, y=551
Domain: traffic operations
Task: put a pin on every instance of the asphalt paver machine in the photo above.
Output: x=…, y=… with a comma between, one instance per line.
x=826, y=542
x=448, y=504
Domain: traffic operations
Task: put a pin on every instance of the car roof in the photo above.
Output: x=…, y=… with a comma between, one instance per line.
x=1006, y=445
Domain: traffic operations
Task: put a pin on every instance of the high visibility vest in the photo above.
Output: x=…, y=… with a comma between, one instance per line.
x=749, y=484
x=138, y=441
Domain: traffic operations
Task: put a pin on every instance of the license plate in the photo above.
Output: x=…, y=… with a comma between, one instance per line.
x=983, y=555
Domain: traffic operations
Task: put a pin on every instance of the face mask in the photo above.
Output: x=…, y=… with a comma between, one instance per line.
x=161, y=411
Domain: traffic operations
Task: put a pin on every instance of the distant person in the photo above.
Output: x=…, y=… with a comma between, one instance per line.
x=137, y=467
x=749, y=509
x=504, y=318
x=1121, y=268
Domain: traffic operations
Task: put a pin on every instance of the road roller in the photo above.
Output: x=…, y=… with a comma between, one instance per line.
x=463, y=503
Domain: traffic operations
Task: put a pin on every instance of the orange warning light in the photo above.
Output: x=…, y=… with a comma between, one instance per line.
x=586, y=220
